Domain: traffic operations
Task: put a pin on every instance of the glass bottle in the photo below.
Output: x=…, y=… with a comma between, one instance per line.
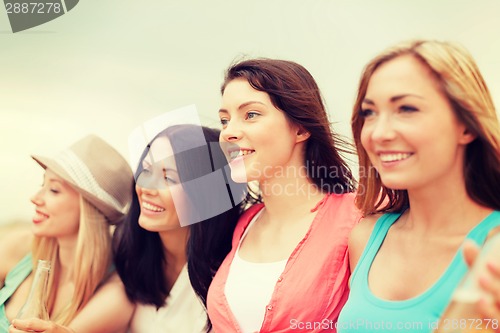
x=36, y=304
x=461, y=315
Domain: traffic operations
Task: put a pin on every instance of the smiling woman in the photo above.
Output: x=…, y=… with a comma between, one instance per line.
x=178, y=230
x=252, y=111
x=397, y=107
x=288, y=262
x=426, y=129
x=57, y=208
x=82, y=194
x=158, y=189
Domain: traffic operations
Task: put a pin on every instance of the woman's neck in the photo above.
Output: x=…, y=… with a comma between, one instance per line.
x=444, y=207
x=288, y=197
x=174, y=248
x=66, y=257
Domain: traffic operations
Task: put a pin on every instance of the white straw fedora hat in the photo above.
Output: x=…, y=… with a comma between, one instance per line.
x=98, y=172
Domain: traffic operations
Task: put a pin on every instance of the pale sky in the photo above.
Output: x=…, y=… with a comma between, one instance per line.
x=107, y=66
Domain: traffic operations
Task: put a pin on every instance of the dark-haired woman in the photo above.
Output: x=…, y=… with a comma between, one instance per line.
x=288, y=268
x=175, y=226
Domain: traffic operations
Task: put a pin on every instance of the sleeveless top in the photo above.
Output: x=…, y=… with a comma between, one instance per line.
x=365, y=312
x=312, y=289
x=12, y=281
x=250, y=285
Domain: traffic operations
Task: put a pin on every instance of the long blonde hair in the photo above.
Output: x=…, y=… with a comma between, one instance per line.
x=92, y=261
x=461, y=82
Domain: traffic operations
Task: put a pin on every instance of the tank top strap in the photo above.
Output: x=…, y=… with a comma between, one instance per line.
x=479, y=233
x=15, y=277
x=376, y=239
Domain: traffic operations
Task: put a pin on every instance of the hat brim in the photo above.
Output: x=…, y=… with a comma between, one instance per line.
x=112, y=215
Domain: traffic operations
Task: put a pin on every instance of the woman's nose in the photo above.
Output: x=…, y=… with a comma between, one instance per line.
x=382, y=129
x=36, y=199
x=231, y=132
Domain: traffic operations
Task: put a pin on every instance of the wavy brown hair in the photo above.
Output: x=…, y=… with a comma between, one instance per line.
x=293, y=90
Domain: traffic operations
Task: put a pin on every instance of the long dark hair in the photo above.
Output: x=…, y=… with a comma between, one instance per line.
x=138, y=253
x=292, y=89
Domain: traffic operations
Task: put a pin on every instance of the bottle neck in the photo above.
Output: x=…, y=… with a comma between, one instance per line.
x=36, y=304
x=40, y=282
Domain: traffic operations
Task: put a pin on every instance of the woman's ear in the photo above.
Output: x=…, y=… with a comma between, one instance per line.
x=302, y=134
x=467, y=136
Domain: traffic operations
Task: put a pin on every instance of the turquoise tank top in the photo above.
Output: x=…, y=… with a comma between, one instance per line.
x=365, y=312
x=12, y=281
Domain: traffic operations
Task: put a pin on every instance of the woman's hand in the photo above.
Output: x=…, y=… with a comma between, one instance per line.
x=37, y=325
x=489, y=307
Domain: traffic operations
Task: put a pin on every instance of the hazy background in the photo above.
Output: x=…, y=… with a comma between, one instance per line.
x=107, y=66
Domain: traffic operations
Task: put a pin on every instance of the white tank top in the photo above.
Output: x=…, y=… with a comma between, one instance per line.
x=250, y=286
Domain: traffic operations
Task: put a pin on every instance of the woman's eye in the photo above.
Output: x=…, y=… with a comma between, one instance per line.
x=224, y=121
x=364, y=113
x=171, y=180
x=252, y=115
x=53, y=190
x=407, y=108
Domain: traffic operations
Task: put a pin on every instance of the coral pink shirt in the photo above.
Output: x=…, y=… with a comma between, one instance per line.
x=310, y=293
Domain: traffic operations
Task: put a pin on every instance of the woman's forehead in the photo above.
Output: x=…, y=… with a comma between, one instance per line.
x=159, y=150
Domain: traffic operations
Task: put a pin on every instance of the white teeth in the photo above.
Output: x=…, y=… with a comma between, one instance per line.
x=394, y=157
x=234, y=154
x=40, y=216
x=151, y=207
x=238, y=153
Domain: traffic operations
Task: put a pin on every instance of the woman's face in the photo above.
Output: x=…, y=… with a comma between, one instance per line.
x=256, y=137
x=159, y=189
x=410, y=132
x=57, y=208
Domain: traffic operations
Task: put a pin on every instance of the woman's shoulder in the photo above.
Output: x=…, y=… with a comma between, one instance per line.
x=359, y=237
x=364, y=228
x=109, y=301
x=13, y=247
x=113, y=284
x=343, y=208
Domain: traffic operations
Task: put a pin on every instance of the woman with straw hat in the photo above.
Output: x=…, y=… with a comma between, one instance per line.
x=86, y=188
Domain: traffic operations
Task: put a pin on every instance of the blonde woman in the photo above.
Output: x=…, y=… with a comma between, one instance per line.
x=85, y=189
x=428, y=141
